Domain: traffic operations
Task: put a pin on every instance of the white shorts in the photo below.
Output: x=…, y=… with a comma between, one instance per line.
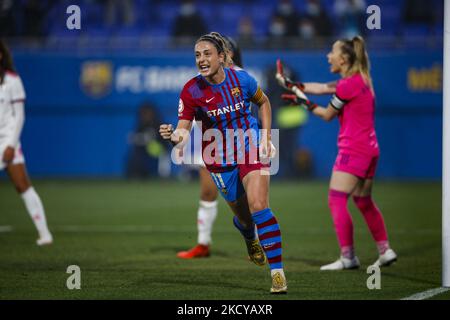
x=18, y=155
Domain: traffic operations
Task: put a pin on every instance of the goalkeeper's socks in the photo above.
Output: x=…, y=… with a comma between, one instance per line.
x=247, y=233
x=269, y=235
x=206, y=215
x=343, y=224
x=374, y=220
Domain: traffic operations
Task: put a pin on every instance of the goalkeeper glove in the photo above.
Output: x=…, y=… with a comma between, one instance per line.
x=294, y=99
x=285, y=81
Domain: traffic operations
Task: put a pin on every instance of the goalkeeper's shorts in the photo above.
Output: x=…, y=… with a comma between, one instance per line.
x=362, y=166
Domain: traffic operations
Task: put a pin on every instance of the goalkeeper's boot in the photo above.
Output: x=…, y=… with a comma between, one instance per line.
x=255, y=252
x=386, y=259
x=199, y=251
x=279, y=284
x=341, y=264
x=45, y=239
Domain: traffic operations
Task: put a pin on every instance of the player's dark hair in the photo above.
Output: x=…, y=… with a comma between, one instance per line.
x=236, y=51
x=6, y=60
x=220, y=43
x=357, y=56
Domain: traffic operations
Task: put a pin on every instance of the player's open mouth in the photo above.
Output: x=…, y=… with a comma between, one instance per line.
x=203, y=68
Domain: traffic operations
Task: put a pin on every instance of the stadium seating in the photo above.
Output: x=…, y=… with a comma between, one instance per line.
x=156, y=18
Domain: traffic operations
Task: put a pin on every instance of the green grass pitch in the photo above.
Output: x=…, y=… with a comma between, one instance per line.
x=124, y=236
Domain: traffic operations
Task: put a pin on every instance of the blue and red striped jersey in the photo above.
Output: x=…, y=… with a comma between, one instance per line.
x=224, y=107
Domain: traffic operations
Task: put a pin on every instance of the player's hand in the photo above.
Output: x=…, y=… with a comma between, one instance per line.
x=167, y=133
x=285, y=81
x=166, y=130
x=8, y=155
x=267, y=150
x=290, y=98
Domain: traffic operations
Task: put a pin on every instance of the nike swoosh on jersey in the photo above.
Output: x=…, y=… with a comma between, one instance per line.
x=209, y=100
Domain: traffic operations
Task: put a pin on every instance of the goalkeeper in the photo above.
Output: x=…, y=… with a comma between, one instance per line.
x=353, y=103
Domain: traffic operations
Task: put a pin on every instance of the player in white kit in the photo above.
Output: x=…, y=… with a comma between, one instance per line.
x=12, y=118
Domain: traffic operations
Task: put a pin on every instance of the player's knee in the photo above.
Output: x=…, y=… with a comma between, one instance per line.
x=258, y=205
x=22, y=187
x=208, y=195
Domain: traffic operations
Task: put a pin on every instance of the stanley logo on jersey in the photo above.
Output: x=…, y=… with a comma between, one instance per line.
x=96, y=78
x=235, y=92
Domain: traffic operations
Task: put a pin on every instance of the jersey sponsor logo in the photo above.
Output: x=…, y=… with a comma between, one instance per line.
x=96, y=78
x=224, y=110
x=235, y=92
x=180, y=107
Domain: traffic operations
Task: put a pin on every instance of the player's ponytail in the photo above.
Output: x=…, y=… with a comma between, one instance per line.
x=6, y=61
x=362, y=63
x=357, y=57
x=226, y=48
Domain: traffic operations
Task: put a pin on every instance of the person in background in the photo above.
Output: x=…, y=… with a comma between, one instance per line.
x=147, y=145
x=12, y=118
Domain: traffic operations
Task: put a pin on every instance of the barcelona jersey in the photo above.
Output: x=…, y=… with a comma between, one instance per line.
x=230, y=132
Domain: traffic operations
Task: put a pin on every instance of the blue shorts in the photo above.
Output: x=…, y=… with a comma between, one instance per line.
x=229, y=183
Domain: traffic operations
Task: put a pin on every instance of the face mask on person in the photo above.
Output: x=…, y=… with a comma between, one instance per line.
x=306, y=30
x=286, y=9
x=187, y=9
x=277, y=28
x=313, y=9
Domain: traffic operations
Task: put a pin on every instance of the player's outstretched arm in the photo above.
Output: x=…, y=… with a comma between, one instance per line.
x=325, y=113
x=309, y=87
x=319, y=88
x=180, y=135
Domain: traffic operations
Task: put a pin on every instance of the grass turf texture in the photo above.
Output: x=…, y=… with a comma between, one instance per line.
x=125, y=236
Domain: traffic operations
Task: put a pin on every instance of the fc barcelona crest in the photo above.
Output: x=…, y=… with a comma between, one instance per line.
x=235, y=92
x=96, y=78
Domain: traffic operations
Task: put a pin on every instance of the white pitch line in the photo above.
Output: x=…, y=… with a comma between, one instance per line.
x=426, y=294
x=5, y=229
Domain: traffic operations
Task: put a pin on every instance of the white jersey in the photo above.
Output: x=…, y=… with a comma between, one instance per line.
x=11, y=91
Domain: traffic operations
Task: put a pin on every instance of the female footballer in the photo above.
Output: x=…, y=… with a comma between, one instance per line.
x=12, y=98
x=207, y=211
x=353, y=102
x=219, y=98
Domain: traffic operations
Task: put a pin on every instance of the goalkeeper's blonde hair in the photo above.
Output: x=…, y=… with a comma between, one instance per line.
x=358, y=58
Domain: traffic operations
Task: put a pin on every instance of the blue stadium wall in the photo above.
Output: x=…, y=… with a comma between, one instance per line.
x=82, y=106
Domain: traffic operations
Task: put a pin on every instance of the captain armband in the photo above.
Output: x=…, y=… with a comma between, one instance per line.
x=337, y=102
x=258, y=98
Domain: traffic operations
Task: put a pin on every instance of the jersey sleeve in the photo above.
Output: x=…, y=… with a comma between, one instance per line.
x=251, y=85
x=186, y=106
x=17, y=90
x=345, y=89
